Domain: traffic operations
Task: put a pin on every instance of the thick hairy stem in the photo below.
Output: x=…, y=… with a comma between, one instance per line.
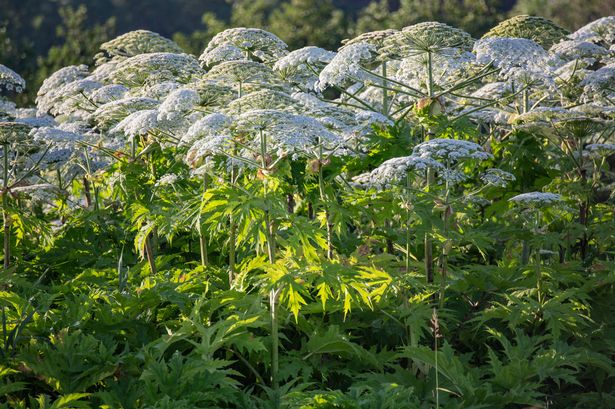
x=525, y=253
x=583, y=219
x=149, y=253
x=231, y=250
x=445, y=248
x=321, y=188
x=385, y=94
x=202, y=238
x=537, y=264
x=273, y=304
x=428, y=259
x=5, y=214
x=430, y=90
x=232, y=229
x=274, y=293
x=203, y=247
x=408, y=216
x=7, y=234
x=87, y=192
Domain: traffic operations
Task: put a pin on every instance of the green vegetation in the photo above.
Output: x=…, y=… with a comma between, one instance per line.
x=419, y=219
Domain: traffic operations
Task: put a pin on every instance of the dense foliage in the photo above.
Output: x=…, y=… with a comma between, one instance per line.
x=419, y=219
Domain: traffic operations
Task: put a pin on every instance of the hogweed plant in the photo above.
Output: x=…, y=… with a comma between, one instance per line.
x=314, y=228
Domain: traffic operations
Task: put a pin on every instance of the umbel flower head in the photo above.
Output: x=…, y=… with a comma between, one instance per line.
x=426, y=37
x=536, y=199
x=303, y=65
x=10, y=80
x=569, y=50
x=450, y=150
x=136, y=71
x=242, y=72
x=347, y=66
x=50, y=89
x=538, y=29
x=262, y=99
x=109, y=114
x=286, y=133
x=513, y=56
x=601, y=31
x=497, y=177
x=135, y=43
x=375, y=38
x=255, y=43
x=395, y=170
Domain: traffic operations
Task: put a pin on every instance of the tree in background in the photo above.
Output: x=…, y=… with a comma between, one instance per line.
x=473, y=16
x=570, y=14
x=78, y=43
x=303, y=22
x=195, y=42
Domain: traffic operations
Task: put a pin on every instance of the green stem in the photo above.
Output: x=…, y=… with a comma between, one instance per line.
x=5, y=214
x=429, y=74
x=427, y=242
x=408, y=215
x=202, y=239
x=537, y=261
x=274, y=293
x=321, y=188
x=385, y=95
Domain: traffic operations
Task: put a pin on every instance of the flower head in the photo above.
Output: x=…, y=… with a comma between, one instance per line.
x=538, y=29
x=451, y=150
x=536, y=199
x=10, y=80
x=135, y=43
x=255, y=43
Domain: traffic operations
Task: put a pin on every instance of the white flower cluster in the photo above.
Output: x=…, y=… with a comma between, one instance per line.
x=394, y=170
x=574, y=50
x=512, y=54
x=138, y=123
x=598, y=31
x=208, y=126
x=603, y=149
x=167, y=180
x=286, y=133
x=536, y=199
x=302, y=66
x=346, y=66
x=10, y=80
x=598, y=85
x=451, y=150
x=253, y=42
x=222, y=53
x=138, y=70
x=135, y=43
x=497, y=177
x=177, y=104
